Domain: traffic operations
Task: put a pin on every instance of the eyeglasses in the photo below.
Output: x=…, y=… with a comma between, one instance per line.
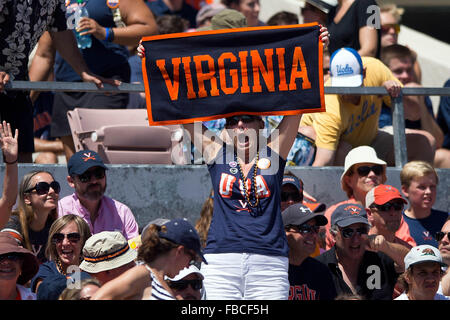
x=44, y=187
x=347, y=233
x=73, y=237
x=440, y=235
x=10, y=256
x=387, y=206
x=235, y=120
x=183, y=284
x=306, y=228
x=98, y=173
x=294, y=196
x=365, y=170
x=386, y=27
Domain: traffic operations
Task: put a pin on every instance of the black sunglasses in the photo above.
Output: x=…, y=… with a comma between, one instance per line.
x=306, y=228
x=387, y=206
x=294, y=196
x=365, y=170
x=44, y=187
x=440, y=235
x=98, y=173
x=10, y=256
x=183, y=284
x=245, y=119
x=347, y=233
x=73, y=237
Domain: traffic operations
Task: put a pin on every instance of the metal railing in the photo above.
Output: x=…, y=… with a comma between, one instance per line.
x=398, y=123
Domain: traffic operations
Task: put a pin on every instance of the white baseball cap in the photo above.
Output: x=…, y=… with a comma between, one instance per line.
x=346, y=68
x=187, y=271
x=423, y=253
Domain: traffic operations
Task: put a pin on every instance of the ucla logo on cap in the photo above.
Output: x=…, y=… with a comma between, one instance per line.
x=346, y=68
x=342, y=71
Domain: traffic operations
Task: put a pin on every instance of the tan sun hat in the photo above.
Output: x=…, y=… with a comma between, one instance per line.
x=106, y=250
x=362, y=154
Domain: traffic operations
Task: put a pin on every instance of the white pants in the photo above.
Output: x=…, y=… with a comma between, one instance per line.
x=245, y=276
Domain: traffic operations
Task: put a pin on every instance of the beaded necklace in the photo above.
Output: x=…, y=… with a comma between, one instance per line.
x=253, y=183
x=60, y=268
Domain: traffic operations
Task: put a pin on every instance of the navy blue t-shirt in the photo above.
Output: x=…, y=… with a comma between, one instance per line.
x=311, y=280
x=423, y=230
x=237, y=228
x=38, y=239
x=103, y=56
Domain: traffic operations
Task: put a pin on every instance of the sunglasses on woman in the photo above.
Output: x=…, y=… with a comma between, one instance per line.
x=347, y=233
x=440, y=235
x=365, y=170
x=397, y=206
x=98, y=173
x=73, y=237
x=245, y=119
x=386, y=27
x=183, y=284
x=44, y=187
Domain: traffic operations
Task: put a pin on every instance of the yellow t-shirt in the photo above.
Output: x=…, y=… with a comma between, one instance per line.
x=355, y=124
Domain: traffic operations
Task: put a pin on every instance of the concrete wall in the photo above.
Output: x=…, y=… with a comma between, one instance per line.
x=153, y=191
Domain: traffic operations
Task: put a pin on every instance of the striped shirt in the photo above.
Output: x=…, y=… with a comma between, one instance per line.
x=158, y=291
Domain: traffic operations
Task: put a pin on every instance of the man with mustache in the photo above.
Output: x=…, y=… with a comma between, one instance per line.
x=87, y=176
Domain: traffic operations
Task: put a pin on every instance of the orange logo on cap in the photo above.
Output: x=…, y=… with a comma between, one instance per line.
x=88, y=156
x=112, y=4
x=353, y=209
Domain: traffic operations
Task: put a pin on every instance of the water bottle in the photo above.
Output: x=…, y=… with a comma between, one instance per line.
x=84, y=41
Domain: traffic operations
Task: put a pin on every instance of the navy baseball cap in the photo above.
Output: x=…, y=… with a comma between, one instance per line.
x=83, y=160
x=349, y=213
x=181, y=231
x=288, y=179
x=298, y=214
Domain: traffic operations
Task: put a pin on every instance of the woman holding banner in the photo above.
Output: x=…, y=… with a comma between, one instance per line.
x=246, y=249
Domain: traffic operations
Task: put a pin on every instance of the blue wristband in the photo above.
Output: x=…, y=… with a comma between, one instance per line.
x=107, y=34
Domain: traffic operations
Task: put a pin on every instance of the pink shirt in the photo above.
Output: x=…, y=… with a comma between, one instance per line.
x=112, y=215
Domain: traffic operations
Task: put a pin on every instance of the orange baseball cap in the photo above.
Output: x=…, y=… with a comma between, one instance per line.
x=382, y=194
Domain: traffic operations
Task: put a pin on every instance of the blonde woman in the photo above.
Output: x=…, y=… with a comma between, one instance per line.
x=38, y=200
x=66, y=239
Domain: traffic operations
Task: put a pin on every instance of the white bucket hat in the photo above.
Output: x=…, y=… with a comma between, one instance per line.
x=106, y=250
x=362, y=154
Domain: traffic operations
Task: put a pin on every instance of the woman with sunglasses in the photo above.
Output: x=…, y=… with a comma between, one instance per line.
x=38, y=201
x=246, y=170
x=66, y=239
x=17, y=266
